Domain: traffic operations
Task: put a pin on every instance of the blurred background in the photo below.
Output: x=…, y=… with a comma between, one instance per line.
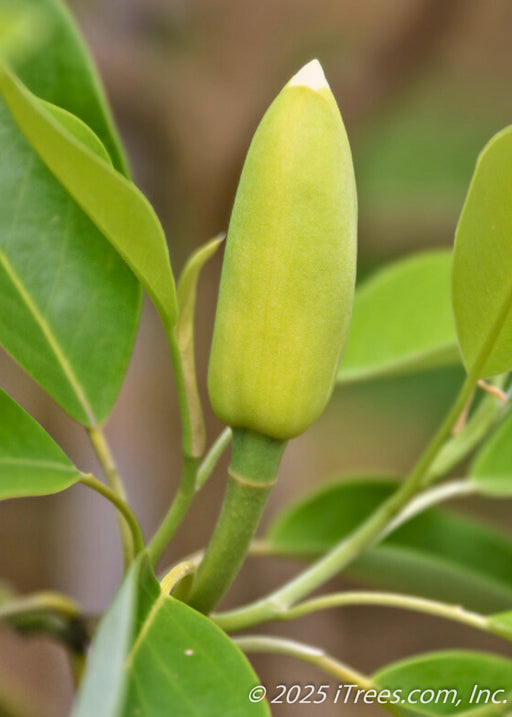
x=422, y=85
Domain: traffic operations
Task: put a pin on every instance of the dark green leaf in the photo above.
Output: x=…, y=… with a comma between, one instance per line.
x=402, y=320
x=156, y=656
x=31, y=463
x=113, y=203
x=436, y=554
x=492, y=468
x=482, y=264
x=433, y=684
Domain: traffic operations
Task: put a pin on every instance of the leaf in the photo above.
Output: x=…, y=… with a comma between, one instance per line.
x=20, y=31
x=491, y=470
x=402, y=320
x=78, y=129
x=60, y=70
x=441, y=679
x=154, y=655
x=31, y=463
x=104, y=686
x=187, y=289
x=69, y=305
x=501, y=624
x=436, y=554
x=482, y=263
x=113, y=203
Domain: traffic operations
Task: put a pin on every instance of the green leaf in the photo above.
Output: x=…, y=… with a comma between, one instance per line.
x=449, y=682
x=20, y=31
x=501, y=624
x=402, y=320
x=436, y=553
x=31, y=463
x=491, y=470
x=104, y=686
x=113, y=203
x=70, y=306
x=81, y=132
x=154, y=655
x=60, y=70
x=482, y=264
x=184, y=331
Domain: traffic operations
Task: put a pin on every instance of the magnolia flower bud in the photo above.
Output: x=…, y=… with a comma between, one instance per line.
x=289, y=269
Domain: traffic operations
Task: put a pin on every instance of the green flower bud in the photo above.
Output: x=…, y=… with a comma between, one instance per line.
x=289, y=269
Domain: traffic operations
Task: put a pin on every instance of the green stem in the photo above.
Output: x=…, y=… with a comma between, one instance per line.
x=191, y=446
x=489, y=411
x=212, y=458
x=134, y=532
x=191, y=441
x=115, y=483
x=312, y=655
x=261, y=548
x=193, y=478
x=177, y=510
x=230, y=621
x=368, y=533
x=254, y=463
x=55, y=615
x=428, y=498
x=40, y=602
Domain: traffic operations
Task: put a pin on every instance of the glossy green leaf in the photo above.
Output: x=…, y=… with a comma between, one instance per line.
x=31, y=463
x=69, y=305
x=492, y=468
x=60, y=70
x=482, y=264
x=154, y=655
x=81, y=132
x=187, y=289
x=449, y=682
x=402, y=320
x=113, y=203
x=436, y=553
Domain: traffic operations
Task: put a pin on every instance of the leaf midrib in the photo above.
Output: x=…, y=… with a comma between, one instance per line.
x=36, y=463
x=145, y=627
x=54, y=345
x=483, y=356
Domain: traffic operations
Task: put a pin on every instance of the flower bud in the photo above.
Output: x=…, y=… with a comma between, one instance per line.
x=289, y=268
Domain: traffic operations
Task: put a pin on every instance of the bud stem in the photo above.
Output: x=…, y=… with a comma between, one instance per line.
x=254, y=464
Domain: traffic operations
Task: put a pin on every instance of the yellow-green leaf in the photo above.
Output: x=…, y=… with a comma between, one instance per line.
x=113, y=203
x=482, y=263
x=402, y=320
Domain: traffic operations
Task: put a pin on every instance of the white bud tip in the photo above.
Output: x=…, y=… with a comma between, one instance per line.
x=311, y=75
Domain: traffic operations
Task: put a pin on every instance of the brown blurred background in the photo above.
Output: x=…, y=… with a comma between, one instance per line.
x=422, y=85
